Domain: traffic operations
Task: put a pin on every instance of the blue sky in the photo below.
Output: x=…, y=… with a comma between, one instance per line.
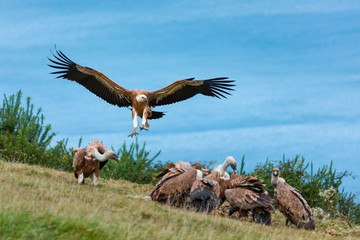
x=296, y=67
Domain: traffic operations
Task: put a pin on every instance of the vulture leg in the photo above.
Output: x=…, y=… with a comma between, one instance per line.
x=81, y=178
x=262, y=217
x=95, y=176
x=287, y=222
x=94, y=179
x=135, y=123
x=144, y=122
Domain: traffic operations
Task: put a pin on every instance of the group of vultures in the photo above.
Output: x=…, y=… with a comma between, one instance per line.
x=183, y=185
x=186, y=185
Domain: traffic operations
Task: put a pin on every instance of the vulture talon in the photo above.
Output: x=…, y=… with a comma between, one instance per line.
x=143, y=128
x=133, y=133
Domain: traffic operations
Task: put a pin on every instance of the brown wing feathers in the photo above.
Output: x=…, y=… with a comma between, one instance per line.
x=103, y=87
x=187, y=88
x=93, y=80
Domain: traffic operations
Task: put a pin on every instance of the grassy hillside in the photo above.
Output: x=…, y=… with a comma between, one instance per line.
x=41, y=203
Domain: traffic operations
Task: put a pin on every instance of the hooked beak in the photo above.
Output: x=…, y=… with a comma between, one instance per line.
x=233, y=166
x=116, y=158
x=275, y=173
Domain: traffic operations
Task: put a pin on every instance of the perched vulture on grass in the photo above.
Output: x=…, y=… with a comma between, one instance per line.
x=90, y=160
x=174, y=187
x=248, y=194
x=208, y=192
x=141, y=101
x=290, y=203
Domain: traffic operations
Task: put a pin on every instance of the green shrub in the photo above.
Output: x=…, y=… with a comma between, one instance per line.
x=24, y=137
x=135, y=165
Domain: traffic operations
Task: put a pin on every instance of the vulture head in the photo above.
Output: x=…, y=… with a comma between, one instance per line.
x=229, y=161
x=141, y=98
x=276, y=172
x=275, y=176
x=106, y=156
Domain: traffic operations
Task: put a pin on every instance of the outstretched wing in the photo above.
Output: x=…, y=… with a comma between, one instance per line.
x=95, y=81
x=187, y=88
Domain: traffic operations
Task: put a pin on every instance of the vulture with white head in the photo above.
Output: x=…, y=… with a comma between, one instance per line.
x=224, y=176
x=90, y=160
x=290, y=203
x=248, y=194
x=139, y=100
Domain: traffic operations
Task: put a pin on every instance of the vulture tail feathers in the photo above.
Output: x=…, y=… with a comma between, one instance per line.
x=203, y=196
x=205, y=201
x=156, y=115
x=262, y=217
x=310, y=225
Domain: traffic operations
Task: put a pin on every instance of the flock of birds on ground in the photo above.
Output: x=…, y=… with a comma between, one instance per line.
x=188, y=186
x=182, y=184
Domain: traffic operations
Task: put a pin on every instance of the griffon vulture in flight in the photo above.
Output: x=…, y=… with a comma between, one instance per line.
x=248, y=194
x=90, y=160
x=291, y=203
x=141, y=101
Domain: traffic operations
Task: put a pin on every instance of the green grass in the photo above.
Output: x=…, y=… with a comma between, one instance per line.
x=41, y=203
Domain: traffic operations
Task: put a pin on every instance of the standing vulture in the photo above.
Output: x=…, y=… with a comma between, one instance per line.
x=248, y=194
x=90, y=160
x=290, y=203
x=141, y=101
x=174, y=187
x=208, y=192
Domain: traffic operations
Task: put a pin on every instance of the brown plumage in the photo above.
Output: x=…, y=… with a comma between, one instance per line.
x=174, y=187
x=249, y=194
x=290, y=203
x=224, y=184
x=90, y=160
x=196, y=165
x=209, y=192
x=205, y=193
x=205, y=172
x=141, y=101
